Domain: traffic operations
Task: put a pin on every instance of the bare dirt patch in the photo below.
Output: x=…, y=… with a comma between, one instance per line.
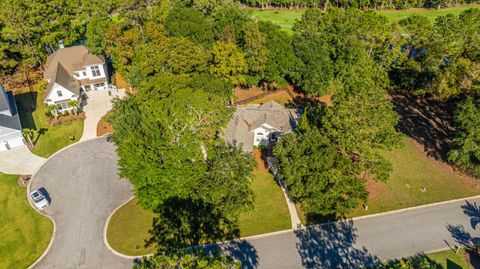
x=242, y=94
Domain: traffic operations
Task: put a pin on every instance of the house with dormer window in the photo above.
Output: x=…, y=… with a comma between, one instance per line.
x=72, y=72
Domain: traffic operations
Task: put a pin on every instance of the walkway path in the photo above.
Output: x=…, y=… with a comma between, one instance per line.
x=98, y=104
x=19, y=161
x=295, y=219
x=353, y=244
x=84, y=188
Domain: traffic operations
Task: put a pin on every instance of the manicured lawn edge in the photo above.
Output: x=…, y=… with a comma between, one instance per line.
x=105, y=235
x=26, y=210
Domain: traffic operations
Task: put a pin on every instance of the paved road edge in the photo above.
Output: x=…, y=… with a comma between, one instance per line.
x=52, y=239
x=265, y=235
x=105, y=228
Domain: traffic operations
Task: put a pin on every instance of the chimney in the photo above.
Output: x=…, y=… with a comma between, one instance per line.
x=60, y=44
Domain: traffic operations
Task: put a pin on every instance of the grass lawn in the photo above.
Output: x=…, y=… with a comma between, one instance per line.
x=412, y=171
x=270, y=213
x=25, y=234
x=283, y=18
x=55, y=137
x=449, y=259
x=431, y=14
x=128, y=229
x=286, y=18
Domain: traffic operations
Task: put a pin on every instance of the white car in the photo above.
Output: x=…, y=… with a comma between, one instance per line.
x=39, y=199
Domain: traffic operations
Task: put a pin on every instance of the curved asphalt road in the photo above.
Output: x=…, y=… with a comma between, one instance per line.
x=83, y=184
x=84, y=187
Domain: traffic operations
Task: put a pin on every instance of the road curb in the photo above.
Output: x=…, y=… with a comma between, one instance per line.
x=42, y=213
x=265, y=235
x=105, y=228
x=50, y=218
x=413, y=208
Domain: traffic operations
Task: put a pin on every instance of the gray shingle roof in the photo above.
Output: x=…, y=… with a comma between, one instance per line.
x=247, y=118
x=3, y=100
x=9, y=124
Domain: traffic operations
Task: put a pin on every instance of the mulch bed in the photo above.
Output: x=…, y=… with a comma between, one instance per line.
x=66, y=119
x=103, y=126
x=261, y=163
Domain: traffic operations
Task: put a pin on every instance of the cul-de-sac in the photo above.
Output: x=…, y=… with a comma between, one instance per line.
x=239, y=134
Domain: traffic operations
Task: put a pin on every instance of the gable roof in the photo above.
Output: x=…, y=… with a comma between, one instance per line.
x=248, y=118
x=63, y=78
x=4, y=105
x=9, y=124
x=72, y=58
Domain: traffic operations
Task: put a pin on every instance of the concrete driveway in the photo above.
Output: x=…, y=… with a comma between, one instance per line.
x=84, y=189
x=19, y=161
x=98, y=104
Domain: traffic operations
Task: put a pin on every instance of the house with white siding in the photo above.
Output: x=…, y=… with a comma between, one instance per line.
x=10, y=126
x=72, y=72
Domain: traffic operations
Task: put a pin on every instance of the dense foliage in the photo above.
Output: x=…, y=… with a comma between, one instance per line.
x=441, y=59
x=187, y=261
x=183, y=59
x=466, y=153
x=360, y=4
x=415, y=262
x=323, y=181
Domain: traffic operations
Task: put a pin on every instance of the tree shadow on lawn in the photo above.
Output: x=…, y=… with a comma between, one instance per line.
x=464, y=237
x=183, y=223
x=427, y=121
x=332, y=246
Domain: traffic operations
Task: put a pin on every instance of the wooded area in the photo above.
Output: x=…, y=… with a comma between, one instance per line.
x=183, y=59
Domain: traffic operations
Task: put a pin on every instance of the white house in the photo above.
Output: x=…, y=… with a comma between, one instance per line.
x=72, y=71
x=255, y=125
x=10, y=127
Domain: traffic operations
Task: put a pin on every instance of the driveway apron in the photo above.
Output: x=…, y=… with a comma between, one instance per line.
x=84, y=187
x=19, y=161
x=97, y=105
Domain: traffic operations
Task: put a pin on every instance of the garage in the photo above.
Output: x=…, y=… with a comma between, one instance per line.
x=10, y=126
x=11, y=141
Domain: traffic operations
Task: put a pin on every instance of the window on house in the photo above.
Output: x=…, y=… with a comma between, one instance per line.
x=77, y=74
x=259, y=133
x=95, y=71
x=98, y=85
x=84, y=73
x=59, y=93
x=63, y=105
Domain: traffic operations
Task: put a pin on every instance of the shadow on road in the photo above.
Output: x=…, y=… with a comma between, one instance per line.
x=240, y=250
x=464, y=237
x=332, y=246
